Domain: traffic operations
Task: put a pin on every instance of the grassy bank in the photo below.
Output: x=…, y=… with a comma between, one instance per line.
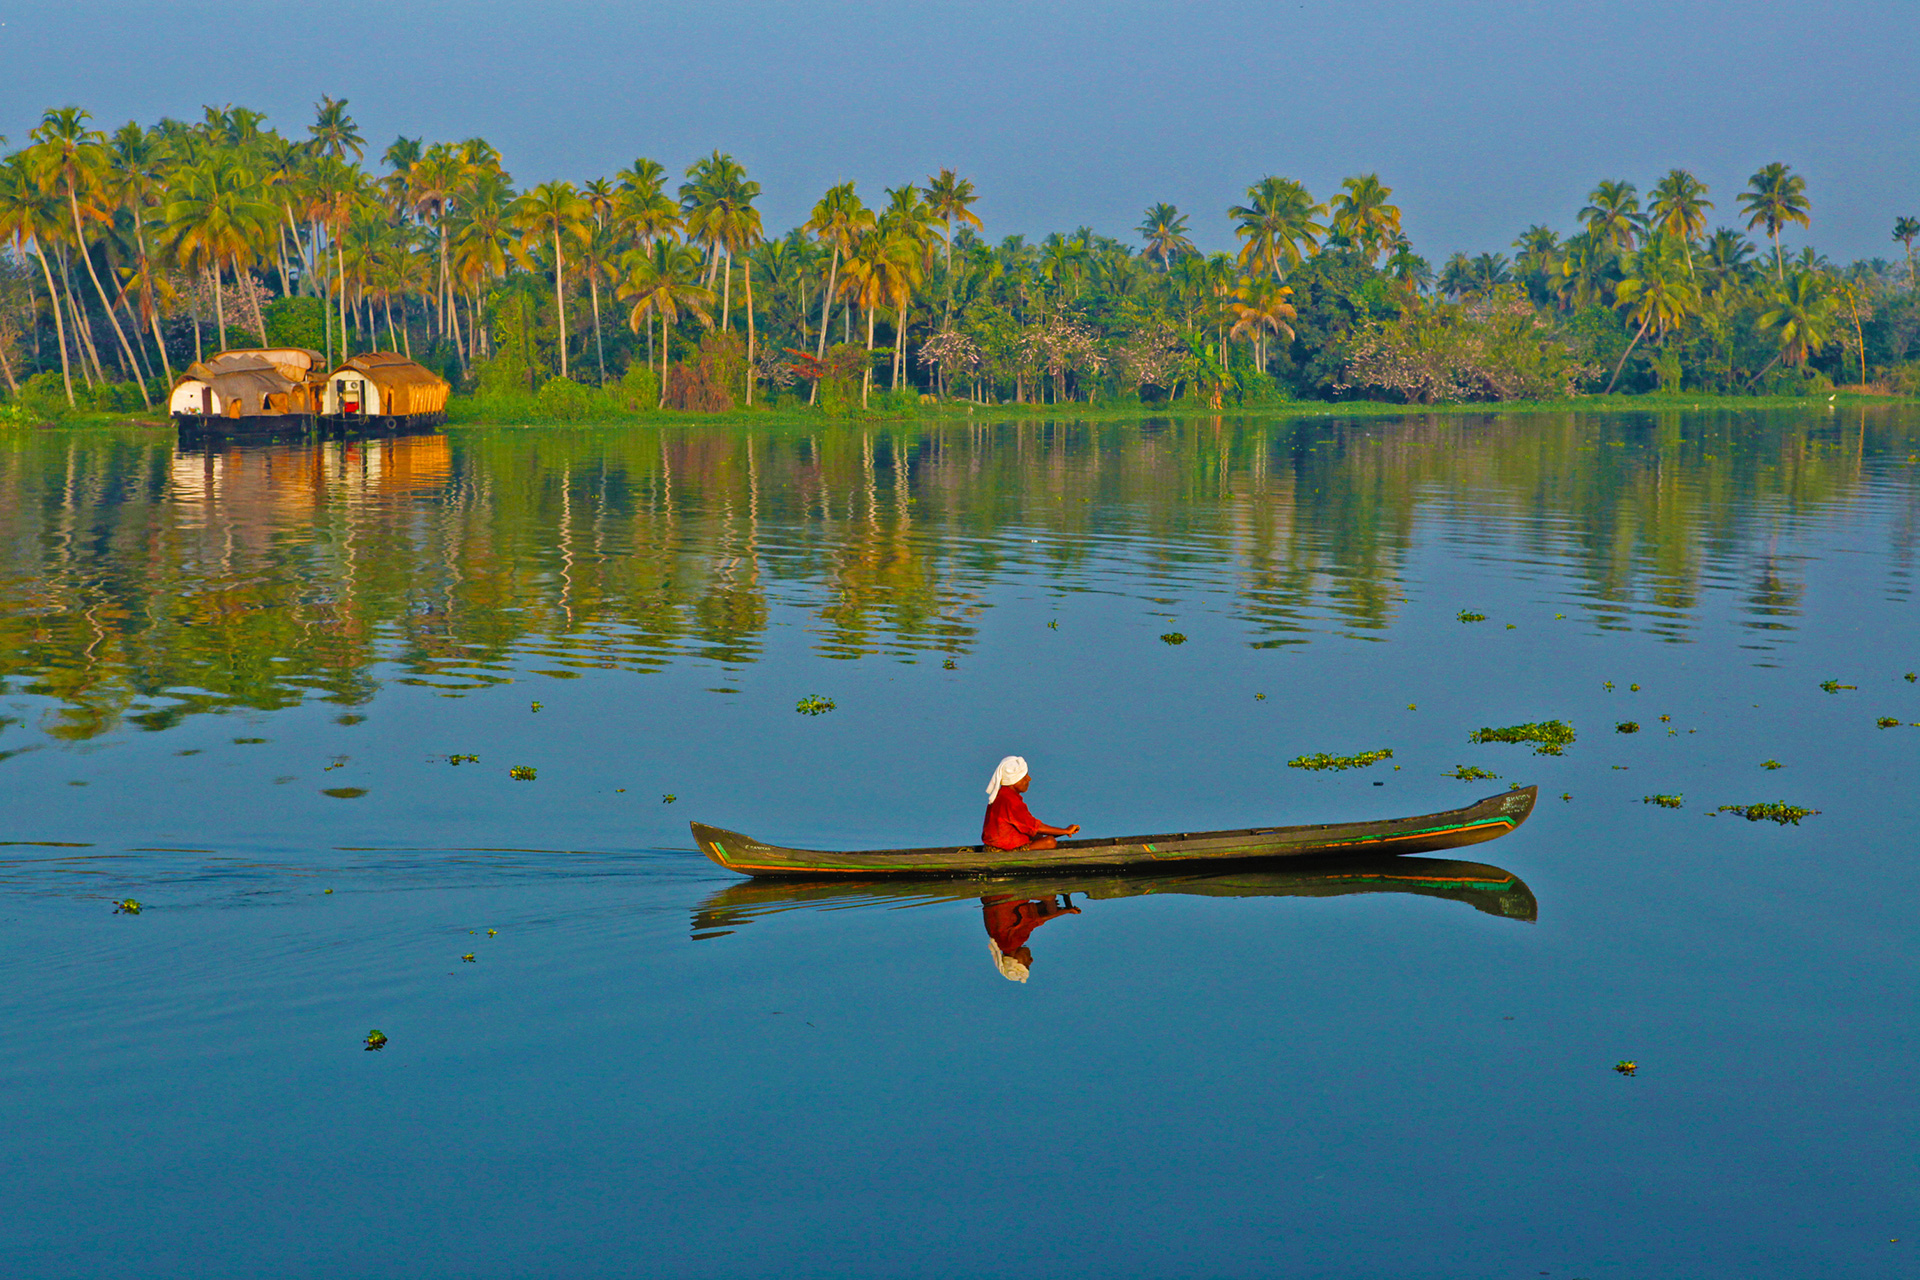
x=465, y=412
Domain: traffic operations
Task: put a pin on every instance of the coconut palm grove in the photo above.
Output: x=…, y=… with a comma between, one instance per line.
x=133, y=251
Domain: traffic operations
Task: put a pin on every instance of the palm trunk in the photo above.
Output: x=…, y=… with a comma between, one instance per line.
x=560, y=297
x=726, y=294
x=159, y=340
x=82, y=338
x=340, y=269
x=392, y=337
x=59, y=325
x=599, y=347
x=1624, y=354
x=747, y=278
x=146, y=277
x=900, y=344
x=665, y=335
x=866, y=378
x=73, y=206
x=826, y=318
x=220, y=309
x=6, y=367
x=1779, y=263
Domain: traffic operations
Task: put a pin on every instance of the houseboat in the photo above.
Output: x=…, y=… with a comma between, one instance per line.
x=383, y=391
x=263, y=391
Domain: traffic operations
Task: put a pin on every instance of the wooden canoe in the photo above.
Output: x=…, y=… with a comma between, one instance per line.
x=1493, y=890
x=1456, y=828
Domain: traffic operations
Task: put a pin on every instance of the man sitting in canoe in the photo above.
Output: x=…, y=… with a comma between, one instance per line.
x=1009, y=826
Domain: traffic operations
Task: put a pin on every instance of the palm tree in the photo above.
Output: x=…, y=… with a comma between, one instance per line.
x=948, y=197
x=137, y=171
x=214, y=218
x=1800, y=315
x=664, y=280
x=1164, y=228
x=285, y=167
x=1260, y=307
x=431, y=183
x=1612, y=214
x=335, y=190
x=1655, y=292
x=1361, y=214
x=881, y=268
x=551, y=211
x=334, y=132
x=914, y=221
x=72, y=158
x=1409, y=270
x=1680, y=207
x=1775, y=196
x=1904, y=230
x=1456, y=276
x=28, y=212
x=1276, y=221
x=1490, y=271
x=838, y=221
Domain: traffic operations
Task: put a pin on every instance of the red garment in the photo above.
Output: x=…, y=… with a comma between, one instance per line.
x=1010, y=922
x=1008, y=824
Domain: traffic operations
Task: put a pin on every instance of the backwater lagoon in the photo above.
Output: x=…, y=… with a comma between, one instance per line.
x=278, y=695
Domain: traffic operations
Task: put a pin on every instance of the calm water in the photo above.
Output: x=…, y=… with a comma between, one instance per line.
x=231, y=684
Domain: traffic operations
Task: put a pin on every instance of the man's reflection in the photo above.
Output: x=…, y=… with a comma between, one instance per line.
x=1010, y=920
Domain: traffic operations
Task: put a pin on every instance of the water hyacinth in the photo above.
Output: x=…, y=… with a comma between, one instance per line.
x=1549, y=737
x=1325, y=761
x=814, y=705
x=1774, y=811
x=1468, y=616
x=1665, y=802
x=522, y=773
x=1627, y=726
x=1468, y=773
x=1173, y=637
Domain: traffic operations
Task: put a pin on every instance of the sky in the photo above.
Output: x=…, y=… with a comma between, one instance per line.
x=1484, y=116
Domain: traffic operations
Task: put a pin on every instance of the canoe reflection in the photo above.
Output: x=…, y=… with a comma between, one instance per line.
x=1012, y=907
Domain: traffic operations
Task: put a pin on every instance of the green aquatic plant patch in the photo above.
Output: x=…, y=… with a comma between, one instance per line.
x=1325, y=761
x=814, y=705
x=1627, y=726
x=1549, y=737
x=1468, y=773
x=1665, y=802
x=1783, y=814
x=1467, y=616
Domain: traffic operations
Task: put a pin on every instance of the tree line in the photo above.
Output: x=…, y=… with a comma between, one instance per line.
x=128, y=254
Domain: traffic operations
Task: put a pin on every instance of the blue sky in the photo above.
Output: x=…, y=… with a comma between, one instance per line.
x=1483, y=115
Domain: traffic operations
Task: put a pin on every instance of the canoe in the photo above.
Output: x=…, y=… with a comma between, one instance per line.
x=1489, y=889
x=1486, y=820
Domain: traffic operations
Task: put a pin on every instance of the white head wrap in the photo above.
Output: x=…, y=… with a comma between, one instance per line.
x=1005, y=774
x=1010, y=969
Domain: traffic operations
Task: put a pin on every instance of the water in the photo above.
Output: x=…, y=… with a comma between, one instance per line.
x=230, y=685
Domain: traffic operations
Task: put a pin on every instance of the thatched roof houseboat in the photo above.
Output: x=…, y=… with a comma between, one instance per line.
x=385, y=390
x=264, y=390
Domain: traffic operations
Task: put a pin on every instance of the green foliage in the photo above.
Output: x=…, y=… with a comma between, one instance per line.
x=296, y=322
x=1467, y=616
x=564, y=399
x=1173, y=637
x=1324, y=761
x=1784, y=814
x=814, y=705
x=638, y=390
x=1550, y=737
x=1665, y=802
x=1468, y=773
x=522, y=773
x=1888, y=722
x=1627, y=726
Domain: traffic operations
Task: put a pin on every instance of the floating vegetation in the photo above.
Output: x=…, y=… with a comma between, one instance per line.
x=349, y=719
x=1888, y=722
x=522, y=773
x=1771, y=764
x=1625, y=1067
x=1053, y=624
x=339, y=762
x=1666, y=719
x=456, y=759
x=1627, y=726
x=126, y=907
x=1912, y=676
x=536, y=706
x=376, y=1041
x=1467, y=773
x=1633, y=688
x=1259, y=697
x=345, y=793
x=469, y=958
x=1665, y=802
x=668, y=798
x=1608, y=686
x=1549, y=737
x=813, y=705
x=1566, y=795
x=949, y=665
x=1173, y=637
x=1412, y=707
x=1774, y=812
x=1467, y=616
x=326, y=891
x=247, y=742
x=1512, y=627
x=1324, y=761
x=1834, y=686
x=493, y=933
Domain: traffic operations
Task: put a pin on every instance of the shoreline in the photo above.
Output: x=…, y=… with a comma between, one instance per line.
x=463, y=413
